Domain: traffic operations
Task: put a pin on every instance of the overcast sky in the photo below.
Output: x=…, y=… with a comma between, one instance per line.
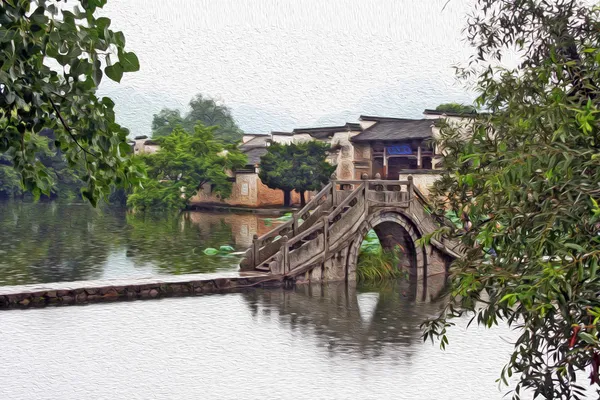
x=281, y=64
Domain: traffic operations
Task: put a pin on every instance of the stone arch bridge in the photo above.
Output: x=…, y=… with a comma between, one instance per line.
x=322, y=240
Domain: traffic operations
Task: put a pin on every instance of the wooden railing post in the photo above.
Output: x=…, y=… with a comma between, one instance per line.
x=286, y=254
x=410, y=187
x=255, y=250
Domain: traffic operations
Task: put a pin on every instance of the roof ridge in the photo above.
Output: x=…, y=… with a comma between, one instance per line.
x=408, y=129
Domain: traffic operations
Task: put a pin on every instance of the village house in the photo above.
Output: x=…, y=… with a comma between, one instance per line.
x=143, y=145
x=381, y=147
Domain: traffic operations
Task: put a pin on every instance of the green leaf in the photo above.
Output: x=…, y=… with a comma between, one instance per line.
x=6, y=35
x=226, y=249
x=102, y=23
x=586, y=337
x=575, y=246
x=114, y=72
x=119, y=39
x=209, y=251
x=129, y=61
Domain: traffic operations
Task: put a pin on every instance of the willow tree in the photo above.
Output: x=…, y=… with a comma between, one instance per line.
x=527, y=184
x=53, y=56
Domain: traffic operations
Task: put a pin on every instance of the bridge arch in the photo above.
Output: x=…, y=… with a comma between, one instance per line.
x=392, y=227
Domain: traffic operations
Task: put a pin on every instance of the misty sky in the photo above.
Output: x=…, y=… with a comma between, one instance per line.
x=285, y=64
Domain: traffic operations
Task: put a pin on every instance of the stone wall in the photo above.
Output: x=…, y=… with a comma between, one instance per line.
x=422, y=181
x=362, y=155
x=244, y=192
x=247, y=191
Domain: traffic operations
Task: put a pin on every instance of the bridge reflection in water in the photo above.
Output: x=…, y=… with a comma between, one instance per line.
x=345, y=317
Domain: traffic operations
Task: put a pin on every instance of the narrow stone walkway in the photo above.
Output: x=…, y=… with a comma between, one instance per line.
x=77, y=292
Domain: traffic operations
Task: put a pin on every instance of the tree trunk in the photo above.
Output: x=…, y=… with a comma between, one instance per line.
x=302, y=199
x=287, y=197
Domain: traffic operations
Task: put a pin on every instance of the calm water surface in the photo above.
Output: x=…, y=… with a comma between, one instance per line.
x=51, y=242
x=319, y=342
x=313, y=342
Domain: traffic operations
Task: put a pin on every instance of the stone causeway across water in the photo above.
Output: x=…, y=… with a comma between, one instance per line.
x=82, y=292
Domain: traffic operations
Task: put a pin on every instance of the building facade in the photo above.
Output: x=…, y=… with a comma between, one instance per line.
x=380, y=147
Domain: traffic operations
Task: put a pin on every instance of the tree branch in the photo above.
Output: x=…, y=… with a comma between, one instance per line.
x=68, y=129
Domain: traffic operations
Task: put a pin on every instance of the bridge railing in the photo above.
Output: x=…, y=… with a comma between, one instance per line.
x=380, y=192
x=265, y=246
x=326, y=218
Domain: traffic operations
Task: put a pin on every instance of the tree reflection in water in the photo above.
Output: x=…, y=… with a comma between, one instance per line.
x=46, y=242
x=346, y=318
x=53, y=242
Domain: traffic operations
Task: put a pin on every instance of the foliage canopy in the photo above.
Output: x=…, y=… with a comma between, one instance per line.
x=456, y=108
x=202, y=109
x=297, y=166
x=184, y=163
x=527, y=185
x=52, y=59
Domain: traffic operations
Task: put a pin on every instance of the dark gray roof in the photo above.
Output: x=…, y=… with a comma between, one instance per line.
x=257, y=141
x=453, y=114
x=325, y=131
x=278, y=133
x=255, y=148
x=254, y=154
x=379, y=119
x=393, y=129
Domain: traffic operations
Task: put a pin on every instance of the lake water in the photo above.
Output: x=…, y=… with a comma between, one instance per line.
x=333, y=341
x=313, y=342
x=52, y=242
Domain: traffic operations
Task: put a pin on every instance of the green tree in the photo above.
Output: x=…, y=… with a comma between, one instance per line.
x=64, y=180
x=276, y=170
x=185, y=162
x=456, y=108
x=165, y=121
x=52, y=60
x=10, y=180
x=301, y=167
x=527, y=185
x=311, y=169
x=202, y=109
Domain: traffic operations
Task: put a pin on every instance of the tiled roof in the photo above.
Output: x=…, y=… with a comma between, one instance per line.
x=452, y=114
x=392, y=129
x=380, y=119
x=278, y=133
x=325, y=131
x=254, y=154
x=255, y=148
x=257, y=141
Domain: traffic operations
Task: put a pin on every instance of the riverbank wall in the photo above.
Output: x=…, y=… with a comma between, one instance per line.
x=84, y=292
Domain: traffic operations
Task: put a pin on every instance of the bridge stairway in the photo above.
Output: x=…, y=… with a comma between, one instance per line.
x=331, y=218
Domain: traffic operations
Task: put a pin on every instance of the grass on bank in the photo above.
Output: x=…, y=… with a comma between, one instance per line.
x=375, y=263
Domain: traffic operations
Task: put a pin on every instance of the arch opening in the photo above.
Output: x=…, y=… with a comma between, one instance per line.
x=391, y=235
x=392, y=229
